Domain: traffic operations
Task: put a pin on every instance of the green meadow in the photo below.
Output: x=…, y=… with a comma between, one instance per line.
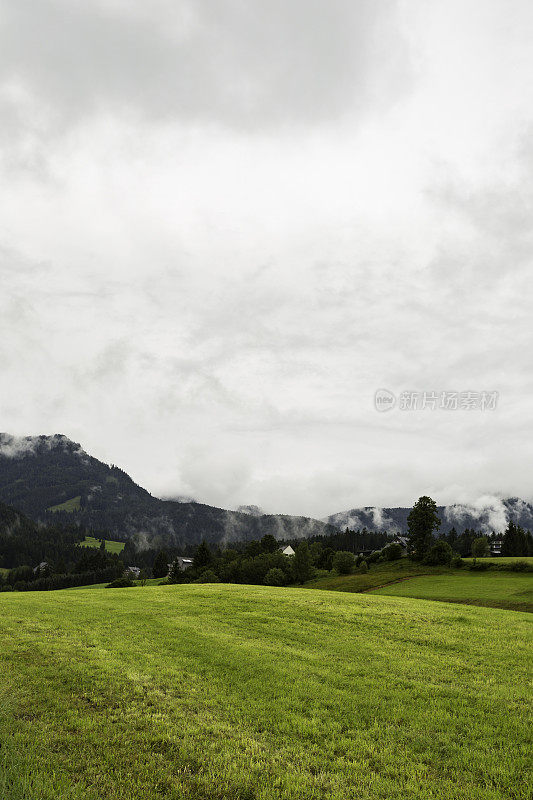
x=504, y=560
x=378, y=575
x=492, y=588
x=110, y=545
x=253, y=693
x=404, y=578
x=69, y=505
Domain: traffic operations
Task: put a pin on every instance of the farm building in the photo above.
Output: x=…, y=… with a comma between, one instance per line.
x=287, y=551
x=401, y=540
x=183, y=563
x=135, y=571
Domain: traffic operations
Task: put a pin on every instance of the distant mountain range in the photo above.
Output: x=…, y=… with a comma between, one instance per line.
x=488, y=514
x=52, y=479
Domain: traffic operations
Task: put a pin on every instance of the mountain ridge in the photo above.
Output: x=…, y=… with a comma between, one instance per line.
x=53, y=479
x=489, y=514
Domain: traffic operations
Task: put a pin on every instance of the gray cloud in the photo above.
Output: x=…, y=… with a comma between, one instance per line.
x=241, y=64
x=252, y=217
x=20, y=446
x=489, y=511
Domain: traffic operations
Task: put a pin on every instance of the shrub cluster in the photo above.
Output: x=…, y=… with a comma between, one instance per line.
x=519, y=566
x=262, y=562
x=120, y=583
x=233, y=567
x=440, y=554
x=66, y=581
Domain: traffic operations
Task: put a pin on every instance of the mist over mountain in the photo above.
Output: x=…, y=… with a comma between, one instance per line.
x=52, y=480
x=488, y=514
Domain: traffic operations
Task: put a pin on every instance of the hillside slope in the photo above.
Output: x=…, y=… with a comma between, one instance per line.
x=52, y=479
x=279, y=694
x=13, y=521
x=405, y=578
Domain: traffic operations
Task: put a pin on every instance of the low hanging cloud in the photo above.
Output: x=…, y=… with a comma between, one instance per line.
x=382, y=522
x=21, y=446
x=490, y=514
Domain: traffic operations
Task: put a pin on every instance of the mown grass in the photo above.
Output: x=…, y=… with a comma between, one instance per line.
x=493, y=588
x=69, y=505
x=405, y=578
x=502, y=559
x=378, y=575
x=230, y=692
x=110, y=545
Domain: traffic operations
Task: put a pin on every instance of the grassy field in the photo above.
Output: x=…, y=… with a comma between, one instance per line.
x=378, y=575
x=110, y=545
x=512, y=590
x=496, y=589
x=503, y=559
x=221, y=692
x=69, y=505
x=98, y=586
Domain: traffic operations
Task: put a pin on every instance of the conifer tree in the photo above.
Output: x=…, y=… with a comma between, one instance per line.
x=422, y=521
x=160, y=568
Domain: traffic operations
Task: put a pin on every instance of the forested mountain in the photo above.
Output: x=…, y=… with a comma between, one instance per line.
x=53, y=480
x=12, y=522
x=22, y=541
x=490, y=514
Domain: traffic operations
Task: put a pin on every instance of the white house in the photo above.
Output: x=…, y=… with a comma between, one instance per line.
x=496, y=547
x=287, y=551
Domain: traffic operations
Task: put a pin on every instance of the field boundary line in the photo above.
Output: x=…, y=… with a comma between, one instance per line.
x=397, y=580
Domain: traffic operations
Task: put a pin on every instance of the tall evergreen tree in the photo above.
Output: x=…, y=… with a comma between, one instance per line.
x=160, y=568
x=423, y=519
x=202, y=557
x=452, y=538
x=515, y=542
x=302, y=564
x=269, y=544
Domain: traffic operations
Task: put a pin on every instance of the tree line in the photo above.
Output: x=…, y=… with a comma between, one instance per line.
x=424, y=522
x=24, y=545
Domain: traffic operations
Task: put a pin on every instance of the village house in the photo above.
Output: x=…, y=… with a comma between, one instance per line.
x=183, y=563
x=287, y=551
x=496, y=547
x=134, y=571
x=401, y=540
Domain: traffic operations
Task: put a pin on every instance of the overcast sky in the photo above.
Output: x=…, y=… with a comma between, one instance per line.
x=224, y=224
